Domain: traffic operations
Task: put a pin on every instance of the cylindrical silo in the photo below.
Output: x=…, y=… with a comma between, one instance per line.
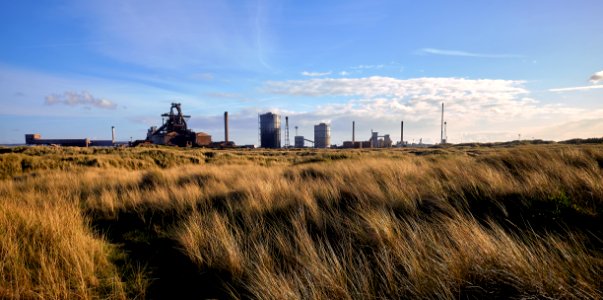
x=270, y=130
x=322, y=135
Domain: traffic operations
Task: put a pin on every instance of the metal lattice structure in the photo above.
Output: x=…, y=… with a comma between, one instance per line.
x=287, y=132
x=175, y=131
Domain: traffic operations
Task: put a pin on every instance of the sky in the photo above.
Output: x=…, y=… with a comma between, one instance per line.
x=504, y=69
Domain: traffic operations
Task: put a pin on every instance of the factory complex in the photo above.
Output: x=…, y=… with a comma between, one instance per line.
x=174, y=131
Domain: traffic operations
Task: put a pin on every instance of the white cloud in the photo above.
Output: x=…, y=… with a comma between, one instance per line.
x=577, y=88
x=484, y=110
x=138, y=95
x=414, y=99
x=438, y=88
x=597, y=77
x=433, y=51
x=84, y=98
x=344, y=73
x=478, y=109
x=315, y=74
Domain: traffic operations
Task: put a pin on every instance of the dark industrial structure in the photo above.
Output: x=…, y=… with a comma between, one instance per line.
x=270, y=130
x=380, y=141
x=375, y=141
x=322, y=135
x=225, y=127
x=175, y=132
x=299, y=141
x=287, y=145
x=353, y=132
x=353, y=143
x=36, y=139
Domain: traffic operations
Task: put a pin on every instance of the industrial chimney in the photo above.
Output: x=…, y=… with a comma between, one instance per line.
x=402, y=133
x=353, y=131
x=445, y=132
x=226, y=127
x=113, y=135
x=442, y=140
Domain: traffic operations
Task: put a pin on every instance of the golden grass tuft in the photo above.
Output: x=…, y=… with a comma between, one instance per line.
x=48, y=252
x=516, y=222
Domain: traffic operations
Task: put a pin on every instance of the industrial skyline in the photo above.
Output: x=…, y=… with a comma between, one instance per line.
x=174, y=131
x=72, y=69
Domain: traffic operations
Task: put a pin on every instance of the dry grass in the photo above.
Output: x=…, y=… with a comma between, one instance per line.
x=47, y=250
x=438, y=223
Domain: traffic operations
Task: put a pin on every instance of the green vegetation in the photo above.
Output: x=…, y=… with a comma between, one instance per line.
x=521, y=221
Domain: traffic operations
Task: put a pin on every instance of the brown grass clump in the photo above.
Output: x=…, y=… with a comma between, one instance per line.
x=47, y=251
x=465, y=222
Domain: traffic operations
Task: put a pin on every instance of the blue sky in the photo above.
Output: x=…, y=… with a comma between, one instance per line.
x=503, y=68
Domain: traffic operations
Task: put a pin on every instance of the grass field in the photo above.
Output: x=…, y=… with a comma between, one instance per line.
x=519, y=221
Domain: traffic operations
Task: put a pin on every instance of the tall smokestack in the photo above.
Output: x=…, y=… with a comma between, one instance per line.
x=226, y=127
x=113, y=135
x=442, y=126
x=402, y=133
x=353, y=131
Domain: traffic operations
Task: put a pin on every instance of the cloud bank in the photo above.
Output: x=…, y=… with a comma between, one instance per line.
x=476, y=109
x=597, y=77
x=415, y=99
x=84, y=98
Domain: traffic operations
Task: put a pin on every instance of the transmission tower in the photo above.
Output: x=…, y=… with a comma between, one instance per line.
x=286, y=132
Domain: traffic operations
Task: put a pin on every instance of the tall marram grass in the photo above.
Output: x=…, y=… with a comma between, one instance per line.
x=522, y=222
x=47, y=251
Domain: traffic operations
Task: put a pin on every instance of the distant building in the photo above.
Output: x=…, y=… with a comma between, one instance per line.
x=36, y=139
x=270, y=130
x=175, y=132
x=322, y=135
x=377, y=141
x=387, y=141
x=356, y=144
x=374, y=139
x=299, y=141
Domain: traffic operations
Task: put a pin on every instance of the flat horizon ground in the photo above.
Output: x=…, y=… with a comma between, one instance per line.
x=476, y=221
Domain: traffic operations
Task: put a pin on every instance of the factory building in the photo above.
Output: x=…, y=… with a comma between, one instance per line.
x=378, y=141
x=299, y=141
x=386, y=142
x=356, y=144
x=375, y=141
x=36, y=139
x=175, y=131
x=270, y=130
x=322, y=135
